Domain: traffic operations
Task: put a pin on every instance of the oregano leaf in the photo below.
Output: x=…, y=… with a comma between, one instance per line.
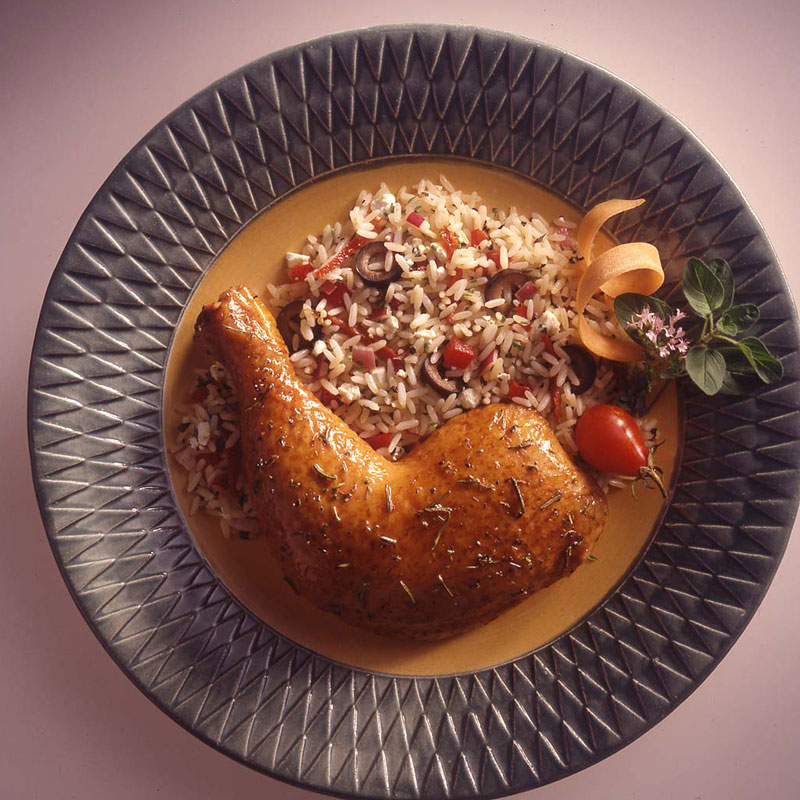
x=706, y=368
x=703, y=289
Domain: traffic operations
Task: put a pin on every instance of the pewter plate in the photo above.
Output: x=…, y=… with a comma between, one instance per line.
x=97, y=372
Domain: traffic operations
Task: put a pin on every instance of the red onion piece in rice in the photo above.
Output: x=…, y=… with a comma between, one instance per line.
x=364, y=357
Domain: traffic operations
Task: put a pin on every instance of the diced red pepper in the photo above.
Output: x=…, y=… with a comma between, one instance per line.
x=526, y=291
x=322, y=367
x=298, y=272
x=458, y=354
x=494, y=256
x=459, y=274
x=395, y=303
x=449, y=242
x=198, y=394
x=379, y=312
x=415, y=219
x=328, y=287
x=555, y=400
x=346, y=250
x=335, y=295
x=516, y=389
x=212, y=459
x=338, y=260
x=521, y=311
x=477, y=235
x=326, y=397
x=390, y=354
x=548, y=344
x=486, y=364
x=343, y=325
x=380, y=440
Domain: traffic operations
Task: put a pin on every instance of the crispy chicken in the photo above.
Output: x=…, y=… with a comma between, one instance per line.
x=484, y=512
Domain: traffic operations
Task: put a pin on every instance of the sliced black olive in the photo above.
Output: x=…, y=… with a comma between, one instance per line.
x=583, y=365
x=370, y=265
x=289, y=324
x=434, y=378
x=505, y=284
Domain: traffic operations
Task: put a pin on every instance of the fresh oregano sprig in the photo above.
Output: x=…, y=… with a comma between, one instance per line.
x=717, y=361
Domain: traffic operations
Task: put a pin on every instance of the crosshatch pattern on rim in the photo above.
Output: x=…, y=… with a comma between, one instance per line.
x=95, y=418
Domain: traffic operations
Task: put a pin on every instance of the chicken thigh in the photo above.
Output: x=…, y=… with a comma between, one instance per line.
x=485, y=511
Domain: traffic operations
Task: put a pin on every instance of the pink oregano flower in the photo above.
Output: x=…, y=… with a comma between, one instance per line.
x=665, y=338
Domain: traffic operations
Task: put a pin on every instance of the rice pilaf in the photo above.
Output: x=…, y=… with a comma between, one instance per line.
x=362, y=346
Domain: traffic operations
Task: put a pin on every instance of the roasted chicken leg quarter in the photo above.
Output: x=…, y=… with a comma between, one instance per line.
x=485, y=511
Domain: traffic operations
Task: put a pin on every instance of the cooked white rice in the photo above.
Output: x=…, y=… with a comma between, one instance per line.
x=436, y=298
x=208, y=434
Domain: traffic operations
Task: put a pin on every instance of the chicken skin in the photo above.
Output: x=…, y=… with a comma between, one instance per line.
x=485, y=511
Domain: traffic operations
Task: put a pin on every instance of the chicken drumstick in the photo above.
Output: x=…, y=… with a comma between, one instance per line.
x=485, y=511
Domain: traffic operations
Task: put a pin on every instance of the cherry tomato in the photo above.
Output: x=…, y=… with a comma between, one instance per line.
x=458, y=354
x=609, y=440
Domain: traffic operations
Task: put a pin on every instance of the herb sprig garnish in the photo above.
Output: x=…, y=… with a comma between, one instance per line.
x=717, y=361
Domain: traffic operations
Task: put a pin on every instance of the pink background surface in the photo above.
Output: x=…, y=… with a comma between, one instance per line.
x=82, y=82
